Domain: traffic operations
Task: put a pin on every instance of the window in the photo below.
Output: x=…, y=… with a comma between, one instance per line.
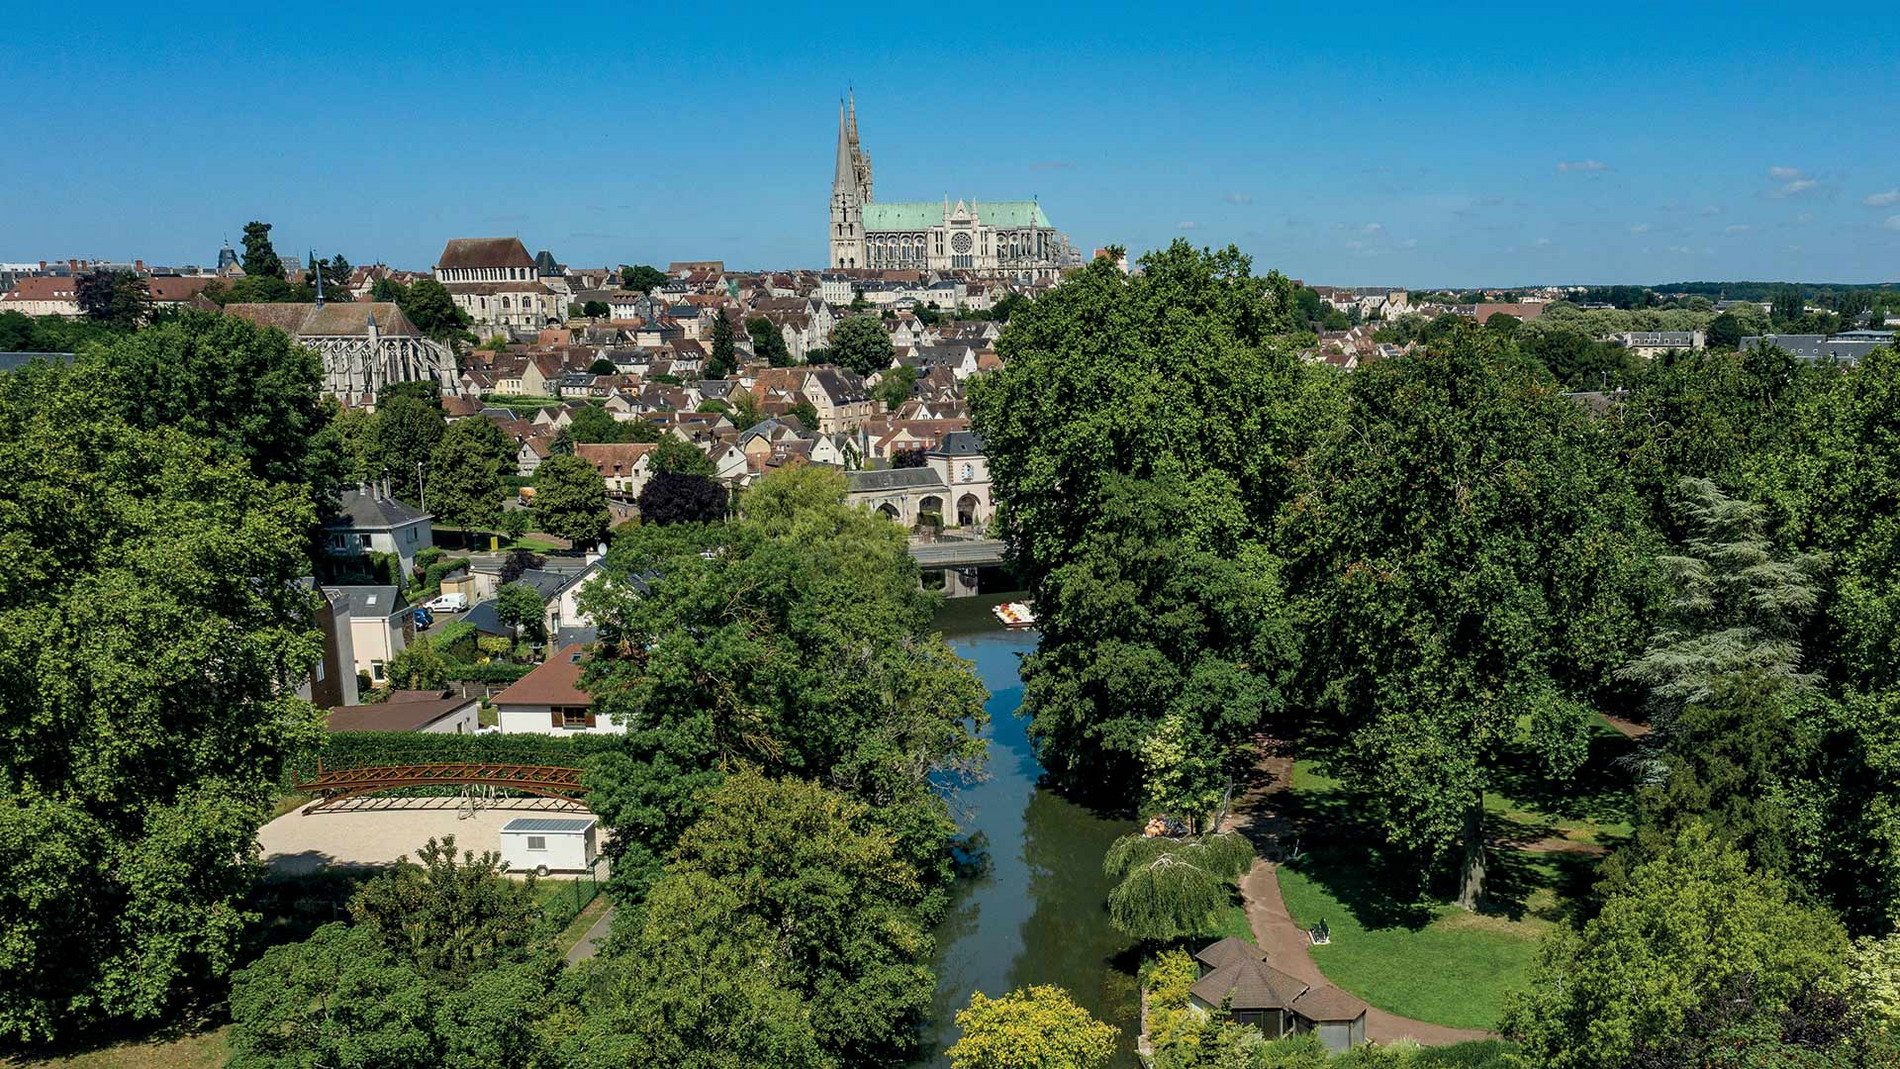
x=537, y=842
x=572, y=716
x=376, y=671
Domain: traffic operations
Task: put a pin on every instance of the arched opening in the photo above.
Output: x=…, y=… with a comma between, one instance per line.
x=889, y=510
x=969, y=510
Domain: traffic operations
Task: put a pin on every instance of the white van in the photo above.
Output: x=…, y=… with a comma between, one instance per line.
x=448, y=603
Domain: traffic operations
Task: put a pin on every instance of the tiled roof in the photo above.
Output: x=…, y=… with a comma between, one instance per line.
x=346, y=319
x=555, y=682
x=1328, y=1003
x=924, y=214
x=892, y=479
x=485, y=252
x=1251, y=984
x=395, y=715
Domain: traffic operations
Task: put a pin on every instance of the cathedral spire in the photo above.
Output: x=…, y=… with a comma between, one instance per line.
x=317, y=265
x=851, y=98
x=846, y=175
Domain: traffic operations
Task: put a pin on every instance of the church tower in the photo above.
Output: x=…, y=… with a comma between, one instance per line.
x=849, y=194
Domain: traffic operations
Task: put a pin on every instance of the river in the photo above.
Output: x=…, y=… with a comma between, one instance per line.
x=1036, y=915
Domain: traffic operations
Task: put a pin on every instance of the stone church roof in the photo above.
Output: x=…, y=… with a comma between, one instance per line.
x=335, y=320
x=924, y=214
x=485, y=252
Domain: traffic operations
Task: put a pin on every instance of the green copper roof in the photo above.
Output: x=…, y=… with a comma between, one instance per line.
x=924, y=214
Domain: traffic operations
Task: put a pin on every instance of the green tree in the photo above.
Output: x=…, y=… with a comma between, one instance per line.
x=260, y=259
x=1474, y=566
x=1168, y=888
x=249, y=389
x=1679, y=933
x=406, y=434
x=675, y=498
x=519, y=605
x=768, y=343
x=419, y=666
x=597, y=309
x=333, y=999
x=593, y=423
x=893, y=387
x=137, y=760
x=723, y=359
x=1141, y=521
x=861, y=344
x=570, y=500
x=118, y=299
x=730, y=653
x=465, y=468
x=446, y=916
x=1725, y=332
x=1037, y=1027
x=643, y=277
x=430, y=307
x=677, y=457
x=814, y=874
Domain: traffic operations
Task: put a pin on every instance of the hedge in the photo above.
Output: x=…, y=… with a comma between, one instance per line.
x=356, y=749
x=492, y=672
x=433, y=574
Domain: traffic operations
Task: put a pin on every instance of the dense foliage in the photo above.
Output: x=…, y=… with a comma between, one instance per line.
x=155, y=525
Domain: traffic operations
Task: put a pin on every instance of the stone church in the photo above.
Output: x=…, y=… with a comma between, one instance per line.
x=364, y=346
x=1010, y=239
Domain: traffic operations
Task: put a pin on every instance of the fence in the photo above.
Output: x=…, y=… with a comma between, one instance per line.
x=559, y=909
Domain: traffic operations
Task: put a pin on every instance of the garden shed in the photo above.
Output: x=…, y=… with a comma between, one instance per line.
x=549, y=844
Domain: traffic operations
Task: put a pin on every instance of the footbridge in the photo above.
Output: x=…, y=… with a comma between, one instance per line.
x=336, y=784
x=959, y=559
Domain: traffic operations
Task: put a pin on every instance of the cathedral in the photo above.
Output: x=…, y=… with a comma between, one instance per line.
x=1010, y=239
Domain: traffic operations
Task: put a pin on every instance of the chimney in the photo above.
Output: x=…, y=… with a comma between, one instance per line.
x=139, y=266
x=73, y=266
x=42, y=266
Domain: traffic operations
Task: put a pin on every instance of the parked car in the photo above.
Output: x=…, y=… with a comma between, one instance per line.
x=447, y=603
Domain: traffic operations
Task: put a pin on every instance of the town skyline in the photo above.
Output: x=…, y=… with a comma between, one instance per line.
x=1466, y=154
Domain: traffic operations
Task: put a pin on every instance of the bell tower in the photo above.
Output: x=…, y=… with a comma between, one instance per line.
x=850, y=192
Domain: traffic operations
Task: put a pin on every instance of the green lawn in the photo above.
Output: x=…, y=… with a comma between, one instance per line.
x=1398, y=942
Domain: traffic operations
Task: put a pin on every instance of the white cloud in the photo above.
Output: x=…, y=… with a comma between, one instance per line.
x=1713, y=209
x=1892, y=223
x=1187, y=224
x=1541, y=243
x=1356, y=246
x=1796, y=187
x=1409, y=243
x=1640, y=228
x=1373, y=228
x=1883, y=200
x=1582, y=165
x=1738, y=228
x=1681, y=250
x=1784, y=173
x=1240, y=198
x=1804, y=217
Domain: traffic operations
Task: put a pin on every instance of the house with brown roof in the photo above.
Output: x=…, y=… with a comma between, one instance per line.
x=1236, y=979
x=624, y=466
x=550, y=701
x=434, y=712
x=43, y=295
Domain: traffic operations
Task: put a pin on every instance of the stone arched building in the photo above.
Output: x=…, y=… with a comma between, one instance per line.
x=364, y=346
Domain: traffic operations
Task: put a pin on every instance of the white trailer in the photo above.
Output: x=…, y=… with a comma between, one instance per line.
x=549, y=844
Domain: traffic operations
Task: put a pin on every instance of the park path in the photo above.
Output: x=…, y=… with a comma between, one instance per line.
x=1285, y=943
x=589, y=945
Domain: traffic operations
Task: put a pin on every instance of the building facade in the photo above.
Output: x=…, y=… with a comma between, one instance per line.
x=1012, y=239
x=364, y=347
x=499, y=285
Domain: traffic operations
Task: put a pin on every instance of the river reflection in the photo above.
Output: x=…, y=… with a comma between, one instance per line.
x=1035, y=914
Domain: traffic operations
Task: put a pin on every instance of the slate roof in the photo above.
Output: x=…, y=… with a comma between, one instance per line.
x=961, y=444
x=892, y=479
x=485, y=252
x=1328, y=1003
x=366, y=600
x=1227, y=952
x=368, y=512
x=484, y=617
x=346, y=319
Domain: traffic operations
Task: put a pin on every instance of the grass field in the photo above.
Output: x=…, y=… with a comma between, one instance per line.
x=1398, y=942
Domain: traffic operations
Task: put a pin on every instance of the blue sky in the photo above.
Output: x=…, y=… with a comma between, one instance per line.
x=1354, y=144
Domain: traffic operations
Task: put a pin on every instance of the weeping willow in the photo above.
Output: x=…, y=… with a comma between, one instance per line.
x=1169, y=888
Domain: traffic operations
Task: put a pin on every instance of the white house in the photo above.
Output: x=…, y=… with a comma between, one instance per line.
x=371, y=521
x=379, y=621
x=550, y=701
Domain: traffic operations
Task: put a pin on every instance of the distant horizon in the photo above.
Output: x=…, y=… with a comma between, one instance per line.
x=1395, y=144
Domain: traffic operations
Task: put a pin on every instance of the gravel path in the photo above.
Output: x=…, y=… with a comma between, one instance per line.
x=378, y=831
x=1284, y=941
